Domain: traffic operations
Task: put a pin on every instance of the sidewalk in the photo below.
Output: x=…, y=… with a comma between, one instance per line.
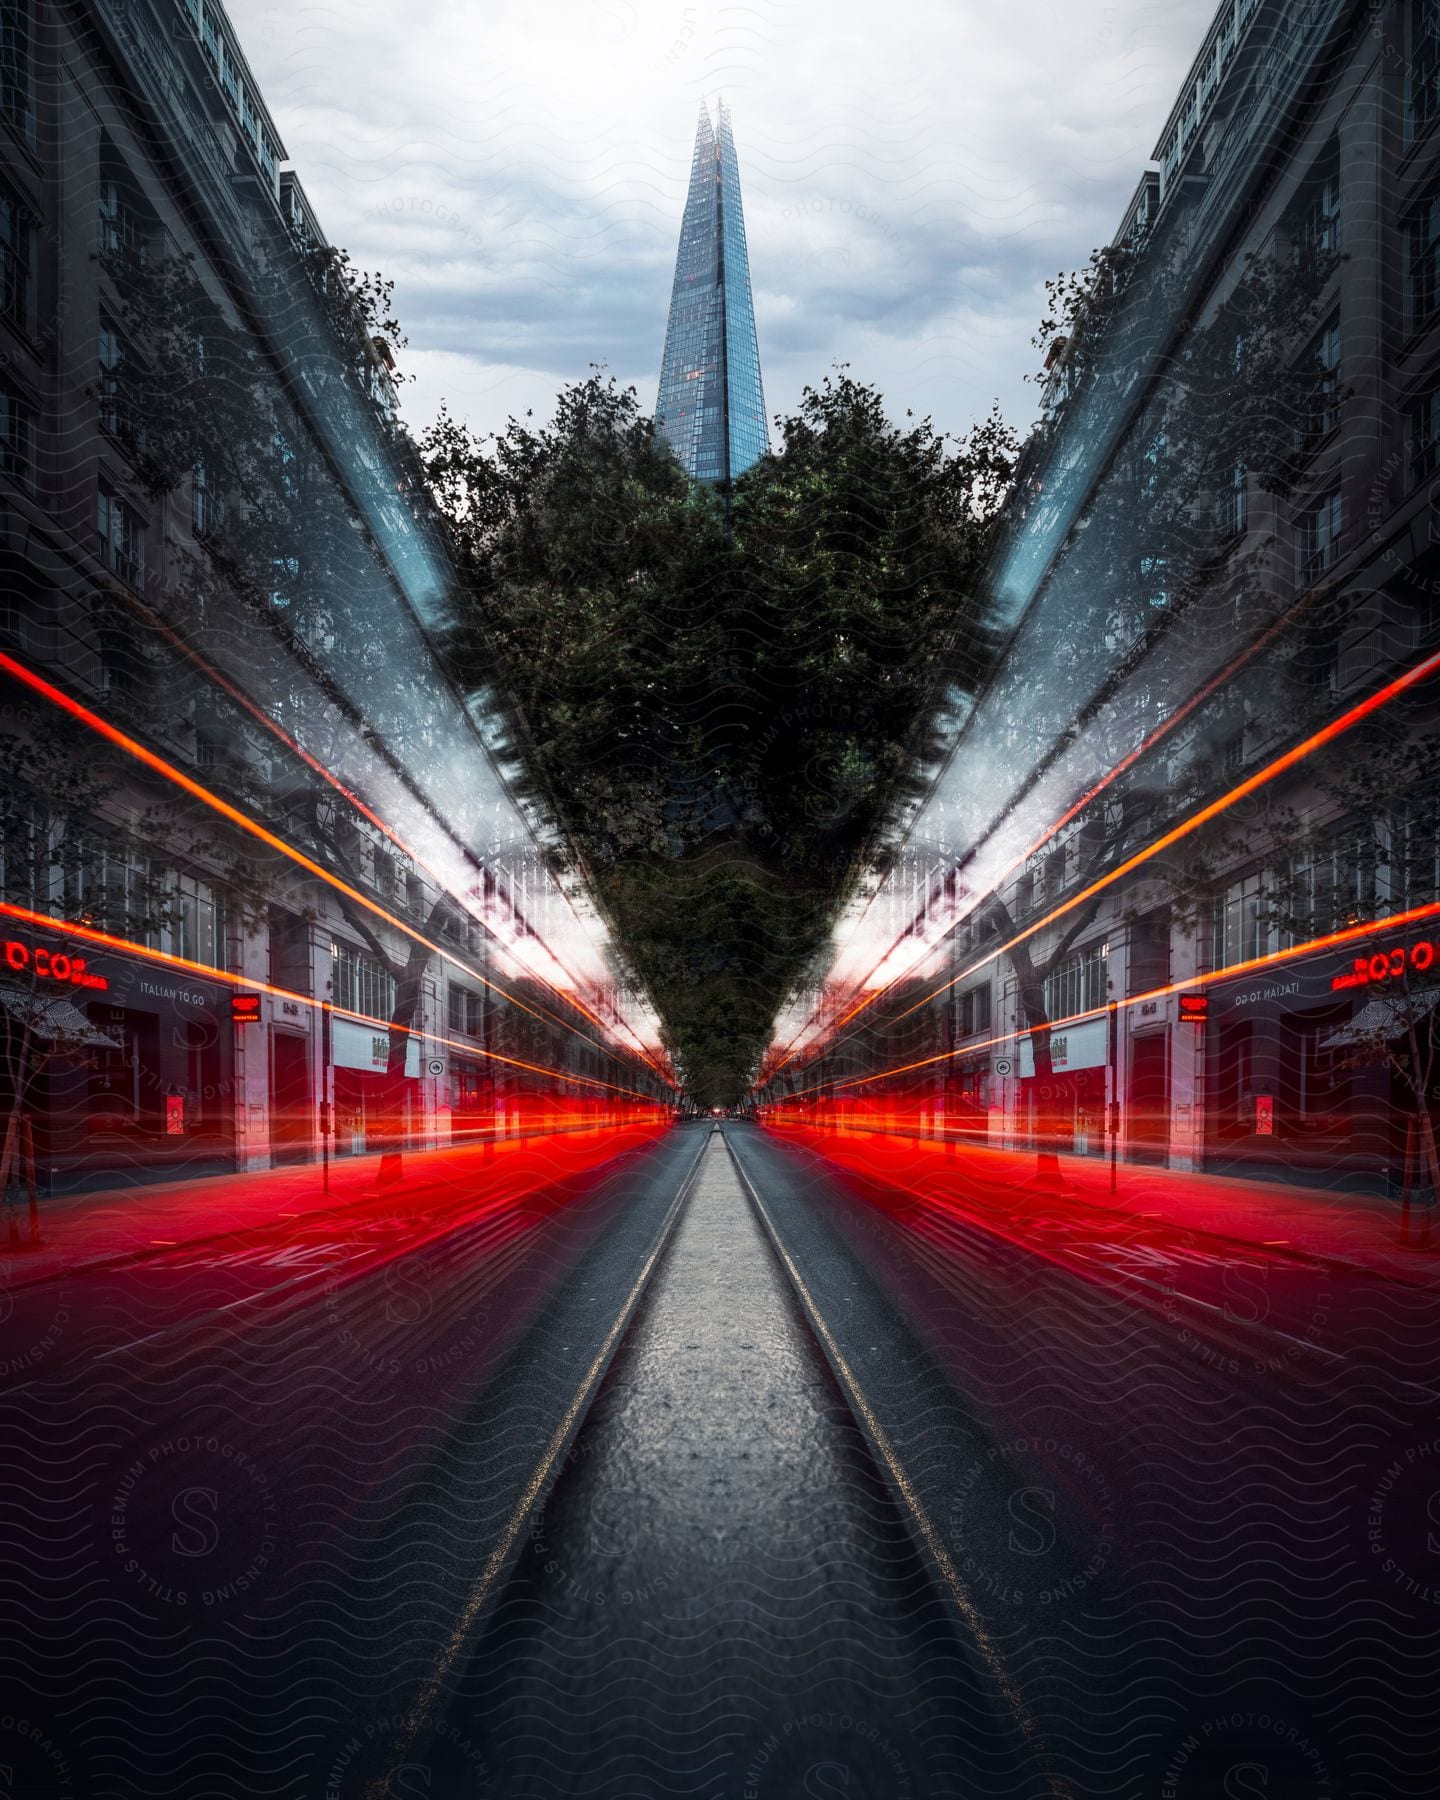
x=1353, y=1232
x=103, y=1228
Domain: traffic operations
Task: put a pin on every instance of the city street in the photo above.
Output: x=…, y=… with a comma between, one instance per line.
x=721, y=1468
x=720, y=901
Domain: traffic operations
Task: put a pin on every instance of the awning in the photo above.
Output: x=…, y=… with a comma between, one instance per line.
x=1383, y=1020
x=56, y=1020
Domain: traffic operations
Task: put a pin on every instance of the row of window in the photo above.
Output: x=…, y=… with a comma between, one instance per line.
x=50, y=866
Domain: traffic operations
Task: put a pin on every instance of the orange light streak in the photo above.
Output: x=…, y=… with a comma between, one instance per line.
x=106, y=940
x=187, y=784
x=1142, y=749
x=1252, y=783
x=1331, y=940
x=262, y=718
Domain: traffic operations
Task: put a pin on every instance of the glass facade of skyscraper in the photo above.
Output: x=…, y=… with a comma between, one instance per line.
x=711, y=407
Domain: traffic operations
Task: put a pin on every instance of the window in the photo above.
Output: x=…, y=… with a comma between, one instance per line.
x=975, y=1011
x=1422, y=262
x=1243, y=923
x=119, y=402
x=465, y=1011
x=1079, y=985
x=360, y=984
x=17, y=441
x=1230, y=505
x=120, y=232
x=1322, y=408
x=1317, y=222
x=122, y=536
x=1422, y=438
x=16, y=107
x=17, y=263
x=1318, y=537
x=207, y=507
x=1332, y=886
x=193, y=922
x=1424, y=63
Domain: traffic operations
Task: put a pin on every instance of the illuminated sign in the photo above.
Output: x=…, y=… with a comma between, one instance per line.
x=1386, y=965
x=245, y=1009
x=51, y=965
x=1194, y=1009
x=1265, y=1115
x=174, y=1115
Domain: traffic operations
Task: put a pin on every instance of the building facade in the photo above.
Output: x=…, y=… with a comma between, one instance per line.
x=711, y=406
x=263, y=893
x=1174, y=892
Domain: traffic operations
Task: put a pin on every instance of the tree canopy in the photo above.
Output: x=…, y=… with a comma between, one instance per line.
x=720, y=696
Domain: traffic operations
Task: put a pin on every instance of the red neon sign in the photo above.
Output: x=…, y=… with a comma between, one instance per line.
x=1194, y=1009
x=1265, y=1115
x=1386, y=965
x=245, y=1009
x=50, y=965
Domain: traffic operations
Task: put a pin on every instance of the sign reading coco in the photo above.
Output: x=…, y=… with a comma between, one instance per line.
x=1386, y=965
x=50, y=965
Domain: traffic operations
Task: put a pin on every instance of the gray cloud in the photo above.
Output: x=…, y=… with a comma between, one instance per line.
x=911, y=173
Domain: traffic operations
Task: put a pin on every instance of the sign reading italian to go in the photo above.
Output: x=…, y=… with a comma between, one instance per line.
x=50, y=965
x=1387, y=965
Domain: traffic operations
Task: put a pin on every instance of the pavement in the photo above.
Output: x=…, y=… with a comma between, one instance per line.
x=103, y=1228
x=1348, y=1232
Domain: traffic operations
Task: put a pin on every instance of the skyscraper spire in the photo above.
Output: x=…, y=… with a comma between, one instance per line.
x=711, y=407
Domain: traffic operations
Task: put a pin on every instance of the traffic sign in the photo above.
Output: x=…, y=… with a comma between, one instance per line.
x=436, y=1065
x=1003, y=1065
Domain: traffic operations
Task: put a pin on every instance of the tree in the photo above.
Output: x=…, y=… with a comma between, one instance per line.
x=720, y=697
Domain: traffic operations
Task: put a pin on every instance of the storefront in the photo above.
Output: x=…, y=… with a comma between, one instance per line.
x=1287, y=1088
x=127, y=1070
x=1068, y=1109
x=360, y=1057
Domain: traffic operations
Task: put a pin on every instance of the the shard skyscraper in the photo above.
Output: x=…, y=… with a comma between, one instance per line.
x=711, y=407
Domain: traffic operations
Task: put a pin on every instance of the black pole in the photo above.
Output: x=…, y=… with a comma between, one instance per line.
x=325, y=1118
x=1114, y=1056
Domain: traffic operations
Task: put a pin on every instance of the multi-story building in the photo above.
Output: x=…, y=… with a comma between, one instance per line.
x=711, y=406
x=234, y=766
x=1200, y=772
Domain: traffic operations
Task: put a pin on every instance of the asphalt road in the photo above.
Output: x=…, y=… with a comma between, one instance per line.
x=716, y=1472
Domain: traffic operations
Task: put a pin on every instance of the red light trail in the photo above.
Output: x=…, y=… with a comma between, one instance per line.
x=1146, y=745
x=91, y=935
x=1251, y=965
x=1297, y=754
x=187, y=784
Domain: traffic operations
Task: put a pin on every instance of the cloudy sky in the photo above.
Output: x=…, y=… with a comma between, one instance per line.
x=912, y=171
